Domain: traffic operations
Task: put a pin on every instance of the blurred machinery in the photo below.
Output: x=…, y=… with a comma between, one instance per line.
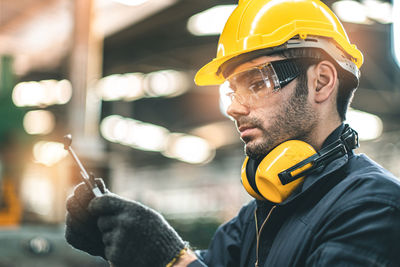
x=10, y=204
x=41, y=246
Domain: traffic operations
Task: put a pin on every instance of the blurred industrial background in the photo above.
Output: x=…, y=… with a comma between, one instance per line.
x=118, y=75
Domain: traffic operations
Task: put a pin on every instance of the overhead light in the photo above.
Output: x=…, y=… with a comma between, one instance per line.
x=111, y=128
x=351, y=11
x=42, y=93
x=367, y=125
x=37, y=191
x=133, y=86
x=27, y=94
x=188, y=148
x=62, y=92
x=210, y=21
x=379, y=11
x=131, y=2
x=166, y=83
x=49, y=153
x=364, y=12
x=114, y=16
x=150, y=137
x=396, y=31
x=125, y=87
x=39, y=122
x=133, y=133
x=145, y=136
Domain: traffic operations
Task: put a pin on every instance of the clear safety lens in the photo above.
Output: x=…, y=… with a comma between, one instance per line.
x=249, y=86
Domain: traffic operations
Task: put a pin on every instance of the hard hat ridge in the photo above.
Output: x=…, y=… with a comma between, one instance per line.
x=278, y=24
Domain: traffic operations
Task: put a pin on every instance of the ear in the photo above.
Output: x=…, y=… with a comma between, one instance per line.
x=325, y=75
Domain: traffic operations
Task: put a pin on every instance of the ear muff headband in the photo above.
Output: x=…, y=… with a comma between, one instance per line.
x=285, y=167
x=348, y=141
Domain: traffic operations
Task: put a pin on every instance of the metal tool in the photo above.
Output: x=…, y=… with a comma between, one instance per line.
x=87, y=179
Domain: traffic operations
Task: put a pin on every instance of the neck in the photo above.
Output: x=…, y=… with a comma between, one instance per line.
x=322, y=131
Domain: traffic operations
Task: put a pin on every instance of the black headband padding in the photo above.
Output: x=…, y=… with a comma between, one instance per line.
x=286, y=71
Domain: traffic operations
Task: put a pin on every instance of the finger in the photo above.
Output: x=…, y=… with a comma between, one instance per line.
x=84, y=228
x=112, y=254
x=76, y=233
x=84, y=242
x=107, y=223
x=100, y=183
x=107, y=238
x=77, y=210
x=83, y=194
x=115, y=247
x=106, y=205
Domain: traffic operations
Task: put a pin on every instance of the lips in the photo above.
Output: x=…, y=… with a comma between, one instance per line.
x=245, y=127
x=247, y=131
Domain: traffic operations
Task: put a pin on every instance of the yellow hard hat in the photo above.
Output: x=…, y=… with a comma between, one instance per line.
x=262, y=24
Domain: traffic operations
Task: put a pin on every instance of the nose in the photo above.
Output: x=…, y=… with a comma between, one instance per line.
x=236, y=109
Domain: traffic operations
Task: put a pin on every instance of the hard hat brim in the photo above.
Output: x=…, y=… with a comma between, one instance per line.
x=207, y=75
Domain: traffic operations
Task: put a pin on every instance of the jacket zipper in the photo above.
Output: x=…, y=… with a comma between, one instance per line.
x=259, y=232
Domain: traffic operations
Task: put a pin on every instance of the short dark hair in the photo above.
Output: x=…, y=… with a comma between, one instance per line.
x=347, y=82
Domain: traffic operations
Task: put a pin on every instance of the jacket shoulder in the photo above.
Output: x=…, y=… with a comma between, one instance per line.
x=366, y=179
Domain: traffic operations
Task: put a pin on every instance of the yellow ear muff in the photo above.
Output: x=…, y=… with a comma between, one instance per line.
x=267, y=181
x=246, y=183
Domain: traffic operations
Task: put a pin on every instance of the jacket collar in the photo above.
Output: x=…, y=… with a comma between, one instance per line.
x=311, y=180
x=335, y=165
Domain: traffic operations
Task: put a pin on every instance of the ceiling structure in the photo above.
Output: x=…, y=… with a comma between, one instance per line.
x=38, y=35
x=138, y=48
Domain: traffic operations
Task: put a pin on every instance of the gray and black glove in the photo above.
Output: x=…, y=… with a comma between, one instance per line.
x=81, y=226
x=133, y=234
x=124, y=232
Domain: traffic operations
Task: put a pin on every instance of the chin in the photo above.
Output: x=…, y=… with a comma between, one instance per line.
x=259, y=149
x=255, y=151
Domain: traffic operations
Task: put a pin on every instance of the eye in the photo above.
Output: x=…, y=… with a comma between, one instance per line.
x=231, y=95
x=257, y=85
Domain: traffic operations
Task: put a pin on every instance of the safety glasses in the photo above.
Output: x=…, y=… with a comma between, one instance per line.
x=249, y=86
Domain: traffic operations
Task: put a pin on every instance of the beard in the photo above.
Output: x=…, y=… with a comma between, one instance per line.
x=294, y=120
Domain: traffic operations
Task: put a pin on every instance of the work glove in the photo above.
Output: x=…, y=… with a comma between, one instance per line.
x=124, y=232
x=81, y=226
x=133, y=234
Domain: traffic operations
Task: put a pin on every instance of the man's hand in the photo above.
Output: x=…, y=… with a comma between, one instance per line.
x=133, y=234
x=81, y=226
x=184, y=260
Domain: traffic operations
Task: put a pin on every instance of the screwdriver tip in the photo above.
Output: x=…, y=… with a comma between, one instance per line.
x=67, y=141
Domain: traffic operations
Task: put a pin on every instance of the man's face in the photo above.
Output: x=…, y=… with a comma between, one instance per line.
x=280, y=116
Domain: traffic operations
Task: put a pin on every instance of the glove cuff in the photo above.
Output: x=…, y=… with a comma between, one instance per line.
x=176, y=258
x=169, y=246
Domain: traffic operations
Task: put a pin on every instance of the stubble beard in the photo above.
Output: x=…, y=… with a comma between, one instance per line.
x=293, y=121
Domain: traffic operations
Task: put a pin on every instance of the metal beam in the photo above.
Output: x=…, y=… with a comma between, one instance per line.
x=85, y=70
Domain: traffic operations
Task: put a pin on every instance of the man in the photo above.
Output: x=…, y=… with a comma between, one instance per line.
x=289, y=71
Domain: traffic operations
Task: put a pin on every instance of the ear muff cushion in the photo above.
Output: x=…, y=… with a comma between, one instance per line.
x=248, y=173
x=279, y=159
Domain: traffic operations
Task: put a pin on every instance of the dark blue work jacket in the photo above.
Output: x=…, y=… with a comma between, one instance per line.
x=346, y=215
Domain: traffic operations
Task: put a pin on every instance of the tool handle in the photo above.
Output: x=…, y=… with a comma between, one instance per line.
x=87, y=179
